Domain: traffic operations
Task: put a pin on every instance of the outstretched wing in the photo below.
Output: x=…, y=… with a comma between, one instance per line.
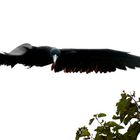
x=98, y=60
x=27, y=55
x=15, y=56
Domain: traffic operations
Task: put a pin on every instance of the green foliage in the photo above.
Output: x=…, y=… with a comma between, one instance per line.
x=128, y=115
x=82, y=132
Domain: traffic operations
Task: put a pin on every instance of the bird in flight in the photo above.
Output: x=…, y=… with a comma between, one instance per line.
x=70, y=60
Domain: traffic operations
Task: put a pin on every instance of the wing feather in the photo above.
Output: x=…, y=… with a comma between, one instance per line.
x=27, y=55
x=98, y=60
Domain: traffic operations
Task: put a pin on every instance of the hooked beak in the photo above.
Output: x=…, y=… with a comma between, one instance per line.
x=54, y=61
x=55, y=58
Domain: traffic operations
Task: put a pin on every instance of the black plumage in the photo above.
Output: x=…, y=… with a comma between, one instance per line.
x=70, y=60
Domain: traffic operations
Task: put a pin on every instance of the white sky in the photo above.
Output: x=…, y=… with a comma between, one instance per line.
x=37, y=104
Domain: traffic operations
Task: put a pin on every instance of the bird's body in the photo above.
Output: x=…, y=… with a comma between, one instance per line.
x=70, y=60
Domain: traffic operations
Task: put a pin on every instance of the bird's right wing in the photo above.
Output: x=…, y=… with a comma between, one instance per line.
x=98, y=60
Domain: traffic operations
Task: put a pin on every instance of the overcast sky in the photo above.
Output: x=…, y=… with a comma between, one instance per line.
x=38, y=104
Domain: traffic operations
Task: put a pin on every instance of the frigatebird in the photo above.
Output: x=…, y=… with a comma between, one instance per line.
x=70, y=60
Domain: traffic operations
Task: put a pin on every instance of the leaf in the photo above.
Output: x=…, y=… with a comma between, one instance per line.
x=118, y=127
x=115, y=117
x=85, y=132
x=126, y=120
x=111, y=124
x=101, y=115
x=82, y=132
x=95, y=115
x=99, y=129
x=91, y=121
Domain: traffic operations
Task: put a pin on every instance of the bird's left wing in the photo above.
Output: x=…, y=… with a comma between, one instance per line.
x=98, y=60
x=17, y=55
x=27, y=55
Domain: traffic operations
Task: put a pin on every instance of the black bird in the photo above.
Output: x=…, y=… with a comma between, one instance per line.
x=70, y=60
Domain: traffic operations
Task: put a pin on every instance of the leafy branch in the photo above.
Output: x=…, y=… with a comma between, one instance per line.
x=128, y=114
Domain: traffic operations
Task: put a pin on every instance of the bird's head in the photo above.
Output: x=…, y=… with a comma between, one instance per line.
x=55, y=53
